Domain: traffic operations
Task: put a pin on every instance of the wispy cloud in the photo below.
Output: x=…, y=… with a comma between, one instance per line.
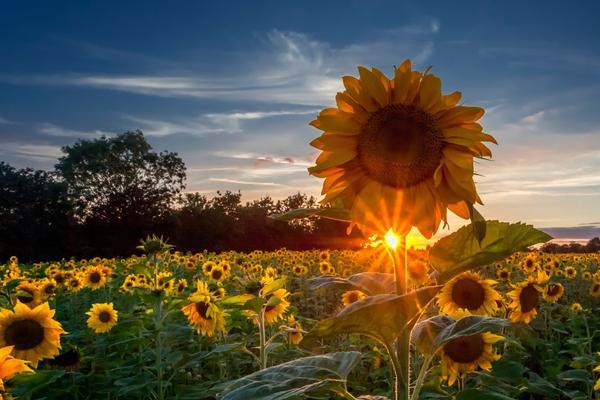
x=292, y=68
x=212, y=123
x=238, y=182
x=268, y=159
x=5, y=121
x=31, y=151
x=55, y=130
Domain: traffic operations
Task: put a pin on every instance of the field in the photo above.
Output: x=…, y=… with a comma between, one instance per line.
x=198, y=326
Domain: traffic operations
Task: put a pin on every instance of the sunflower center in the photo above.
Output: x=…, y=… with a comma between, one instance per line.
x=24, y=335
x=529, y=298
x=216, y=274
x=202, y=309
x=468, y=294
x=95, y=277
x=400, y=146
x=104, y=317
x=553, y=290
x=466, y=349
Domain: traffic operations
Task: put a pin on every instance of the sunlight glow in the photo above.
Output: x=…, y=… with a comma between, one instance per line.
x=391, y=239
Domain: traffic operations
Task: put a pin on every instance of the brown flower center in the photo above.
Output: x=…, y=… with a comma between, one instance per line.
x=104, y=317
x=468, y=294
x=553, y=289
x=216, y=274
x=465, y=349
x=95, y=277
x=24, y=334
x=400, y=146
x=529, y=298
x=202, y=309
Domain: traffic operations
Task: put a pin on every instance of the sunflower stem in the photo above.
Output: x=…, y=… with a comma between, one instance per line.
x=263, y=335
x=422, y=375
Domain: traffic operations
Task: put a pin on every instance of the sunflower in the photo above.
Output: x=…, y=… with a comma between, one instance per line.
x=595, y=289
x=396, y=152
x=529, y=265
x=352, y=296
x=32, y=332
x=10, y=366
x=325, y=268
x=74, y=283
x=29, y=294
x=570, y=272
x=299, y=270
x=597, y=385
x=553, y=292
x=576, y=308
x=525, y=298
x=503, y=274
x=207, y=267
x=276, y=305
x=587, y=276
x=103, y=317
x=464, y=354
x=47, y=288
x=217, y=273
x=181, y=285
x=468, y=292
x=294, y=330
x=203, y=314
x=94, y=277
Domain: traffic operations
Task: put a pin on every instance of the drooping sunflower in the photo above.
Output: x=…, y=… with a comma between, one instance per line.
x=102, y=317
x=468, y=292
x=352, y=296
x=553, y=292
x=525, y=298
x=28, y=293
x=274, y=310
x=294, y=330
x=10, y=366
x=397, y=153
x=32, y=332
x=464, y=354
x=203, y=313
x=94, y=277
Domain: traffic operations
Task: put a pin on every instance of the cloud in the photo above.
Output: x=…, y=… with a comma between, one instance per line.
x=31, y=151
x=4, y=121
x=261, y=159
x=55, y=130
x=212, y=123
x=238, y=182
x=290, y=67
x=533, y=119
x=573, y=232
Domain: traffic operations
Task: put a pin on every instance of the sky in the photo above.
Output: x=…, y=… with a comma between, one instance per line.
x=231, y=86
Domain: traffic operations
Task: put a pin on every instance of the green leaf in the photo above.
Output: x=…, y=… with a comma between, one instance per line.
x=370, y=283
x=431, y=334
x=478, y=223
x=478, y=394
x=27, y=384
x=335, y=213
x=382, y=317
x=273, y=286
x=461, y=251
x=538, y=385
x=254, y=304
x=238, y=300
x=575, y=375
x=295, y=379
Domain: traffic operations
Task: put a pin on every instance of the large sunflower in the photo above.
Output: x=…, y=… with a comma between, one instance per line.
x=32, y=332
x=102, y=317
x=397, y=153
x=94, y=277
x=10, y=366
x=274, y=309
x=469, y=293
x=464, y=354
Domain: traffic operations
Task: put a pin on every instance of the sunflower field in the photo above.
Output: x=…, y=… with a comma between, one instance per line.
x=480, y=314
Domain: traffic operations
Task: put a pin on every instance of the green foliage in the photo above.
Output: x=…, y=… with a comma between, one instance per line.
x=314, y=376
x=370, y=283
x=461, y=251
x=382, y=317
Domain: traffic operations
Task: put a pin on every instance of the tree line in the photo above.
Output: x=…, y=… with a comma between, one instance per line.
x=105, y=194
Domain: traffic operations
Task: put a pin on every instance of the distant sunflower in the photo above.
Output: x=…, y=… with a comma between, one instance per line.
x=352, y=296
x=202, y=313
x=503, y=274
x=74, y=283
x=595, y=289
x=464, y=354
x=469, y=292
x=10, y=366
x=525, y=298
x=274, y=309
x=529, y=265
x=28, y=293
x=553, y=292
x=32, y=332
x=102, y=317
x=217, y=273
x=207, y=267
x=295, y=330
x=570, y=272
x=397, y=153
x=47, y=288
x=576, y=308
x=587, y=276
x=94, y=277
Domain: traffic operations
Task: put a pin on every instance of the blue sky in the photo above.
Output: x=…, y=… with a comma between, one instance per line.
x=231, y=87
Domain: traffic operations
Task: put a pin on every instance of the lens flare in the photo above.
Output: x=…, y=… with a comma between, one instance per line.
x=391, y=239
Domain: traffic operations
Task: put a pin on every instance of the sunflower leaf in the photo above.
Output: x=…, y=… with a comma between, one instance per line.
x=478, y=223
x=382, y=317
x=295, y=379
x=370, y=283
x=335, y=213
x=274, y=285
x=461, y=251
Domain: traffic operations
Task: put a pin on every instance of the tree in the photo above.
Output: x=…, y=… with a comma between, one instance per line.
x=34, y=215
x=120, y=183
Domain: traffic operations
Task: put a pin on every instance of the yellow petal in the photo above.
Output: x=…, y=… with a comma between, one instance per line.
x=431, y=93
x=374, y=86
